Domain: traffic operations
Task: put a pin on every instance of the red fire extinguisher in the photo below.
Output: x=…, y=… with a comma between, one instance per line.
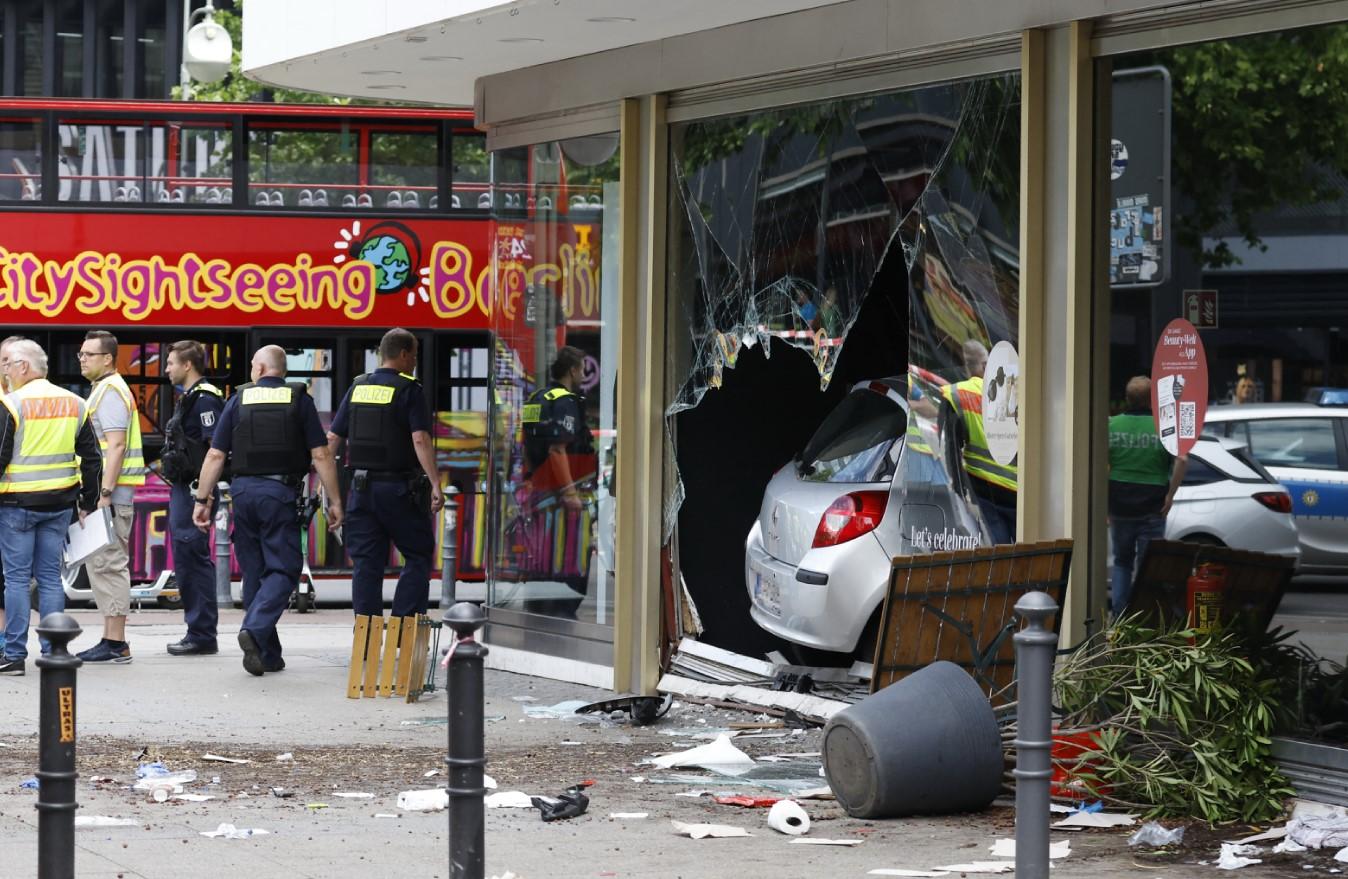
x=1206, y=598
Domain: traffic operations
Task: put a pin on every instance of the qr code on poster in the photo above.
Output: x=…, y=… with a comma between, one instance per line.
x=1188, y=418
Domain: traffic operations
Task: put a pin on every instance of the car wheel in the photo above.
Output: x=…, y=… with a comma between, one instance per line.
x=798, y=654
x=1204, y=540
x=869, y=640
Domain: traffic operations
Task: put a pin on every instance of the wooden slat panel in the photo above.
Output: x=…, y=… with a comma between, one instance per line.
x=360, y=635
x=390, y=662
x=407, y=635
x=372, y=656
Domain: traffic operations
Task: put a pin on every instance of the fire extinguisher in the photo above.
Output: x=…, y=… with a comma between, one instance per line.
x=1206, y=598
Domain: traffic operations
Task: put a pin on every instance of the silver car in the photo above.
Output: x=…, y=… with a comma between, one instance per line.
x=1305, y=447
x=867, y=487
x=1229, y=499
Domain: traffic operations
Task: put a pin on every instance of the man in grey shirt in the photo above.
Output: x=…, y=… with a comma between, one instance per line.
x=116, y=422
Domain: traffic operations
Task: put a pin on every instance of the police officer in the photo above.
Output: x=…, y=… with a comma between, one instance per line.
x=271, y=432
x=187, y=439
x=993, y=485
x=49, y=461
x=559, y=455
x=395, y=485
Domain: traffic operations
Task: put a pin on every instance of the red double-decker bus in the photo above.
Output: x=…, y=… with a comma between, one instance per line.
x=311, y=227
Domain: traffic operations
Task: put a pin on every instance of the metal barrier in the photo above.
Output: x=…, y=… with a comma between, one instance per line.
x=222, y=560
x=1036, y=646
x=56, y=773
x=449, y=549
x=466, y=752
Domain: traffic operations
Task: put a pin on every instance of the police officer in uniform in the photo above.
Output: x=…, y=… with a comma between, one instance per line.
x=271, y=433
x=395, y=485
x=560, y=457
x=993, y=485
x=187, y=440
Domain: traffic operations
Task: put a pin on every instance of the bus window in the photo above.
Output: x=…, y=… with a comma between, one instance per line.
x=314, y=367
x=309, y=167
x=510, y=176
x=102, y=162
x=20, y=160
x=461, y=381
x=470, y=174
x=191, y=163
x=402, y=170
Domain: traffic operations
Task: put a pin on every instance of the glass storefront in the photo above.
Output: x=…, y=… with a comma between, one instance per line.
x=842, y=276
x=1228, y=211
x=554, y=307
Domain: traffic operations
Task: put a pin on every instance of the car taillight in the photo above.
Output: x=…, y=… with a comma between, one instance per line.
x=1277, y=501
x=851, y=515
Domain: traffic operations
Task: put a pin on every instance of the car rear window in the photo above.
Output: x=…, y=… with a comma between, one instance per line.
x=859, y=441
x=1294, y=442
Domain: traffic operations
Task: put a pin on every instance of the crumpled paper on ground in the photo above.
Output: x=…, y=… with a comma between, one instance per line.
x=720, y=756
x=1006, y=848
x=1233, y=856
x=103, y=821
x=1096, y=819
x=1317, y=825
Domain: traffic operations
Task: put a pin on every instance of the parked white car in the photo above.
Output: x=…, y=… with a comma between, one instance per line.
x=1305, y=447
x=1228, y=499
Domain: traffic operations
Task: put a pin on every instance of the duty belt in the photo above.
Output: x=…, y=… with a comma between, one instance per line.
x=287, y=480
x=393, y=475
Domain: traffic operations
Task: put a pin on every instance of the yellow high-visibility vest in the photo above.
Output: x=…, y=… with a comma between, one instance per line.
x=133, y=462
x=47, y=420
x=967, y=398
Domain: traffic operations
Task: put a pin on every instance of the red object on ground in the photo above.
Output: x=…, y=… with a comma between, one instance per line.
x=1066, y=752
x=1205, y=598
x=749, y=802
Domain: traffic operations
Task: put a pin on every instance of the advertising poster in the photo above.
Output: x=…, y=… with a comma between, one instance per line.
x=1001, y=403
x=1179, y=386
x=1139, y=171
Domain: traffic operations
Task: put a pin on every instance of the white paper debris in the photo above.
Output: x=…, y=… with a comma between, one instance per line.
x=708, y=831
x=980, y=867
x=786, y=816
x=806, y=840
x=1233, y=856
x=1096, y=819
x=430, y=772
x=720, y=756
x=216, y=758
x=354, y=795
x=1342, y=856
x=1061, y=808
x=632, y=816
x=384, y=815
x=229, y=831
x=1317, y=825
x=900, y=871
x=431, y=800
x=287, y=757
x=1288, y=847
x=509, y=799
x=194, y=798
x=1006, y=848
x=103, y=821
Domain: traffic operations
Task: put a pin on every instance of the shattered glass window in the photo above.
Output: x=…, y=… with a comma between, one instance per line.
x=784, y=223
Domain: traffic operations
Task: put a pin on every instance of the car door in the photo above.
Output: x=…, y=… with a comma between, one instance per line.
x=1306, y=455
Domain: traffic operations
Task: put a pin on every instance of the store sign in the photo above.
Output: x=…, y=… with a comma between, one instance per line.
x=1001, y=402
x=1139, y=233
x=1179, y=386
x=1200, y=307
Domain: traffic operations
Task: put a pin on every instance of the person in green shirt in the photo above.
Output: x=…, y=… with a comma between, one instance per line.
x=1143, y=478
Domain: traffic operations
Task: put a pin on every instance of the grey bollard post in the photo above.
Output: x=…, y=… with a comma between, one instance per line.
x=449, y=549
x=467, y=754
x=1036, y=647
x=223, y=598
x=56, y=773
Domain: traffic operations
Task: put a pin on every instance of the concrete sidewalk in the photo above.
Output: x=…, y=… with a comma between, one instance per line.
x=178, y=709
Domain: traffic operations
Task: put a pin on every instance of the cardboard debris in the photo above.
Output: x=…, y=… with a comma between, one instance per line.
x=103, y=821
x=981, y=867
x=1266, y=836
x=708, y=831
x=805, y=840
x=1096, y=819
x=1006, y=848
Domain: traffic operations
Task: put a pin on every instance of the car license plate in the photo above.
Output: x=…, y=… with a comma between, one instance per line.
x=767, y=594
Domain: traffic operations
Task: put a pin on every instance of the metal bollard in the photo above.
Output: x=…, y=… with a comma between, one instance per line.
x=223, y=598
x=1035, y=650
x=56, y=751
x=449, y=549
x=467, y=755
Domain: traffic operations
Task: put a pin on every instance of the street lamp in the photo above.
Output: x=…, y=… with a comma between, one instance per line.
x=208, y=50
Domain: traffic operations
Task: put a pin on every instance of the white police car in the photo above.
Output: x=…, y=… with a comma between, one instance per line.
x=1306, y=448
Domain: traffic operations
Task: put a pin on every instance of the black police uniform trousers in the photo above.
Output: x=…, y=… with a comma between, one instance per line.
x=193, y=568
x=387, y=510
x=267, y=545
